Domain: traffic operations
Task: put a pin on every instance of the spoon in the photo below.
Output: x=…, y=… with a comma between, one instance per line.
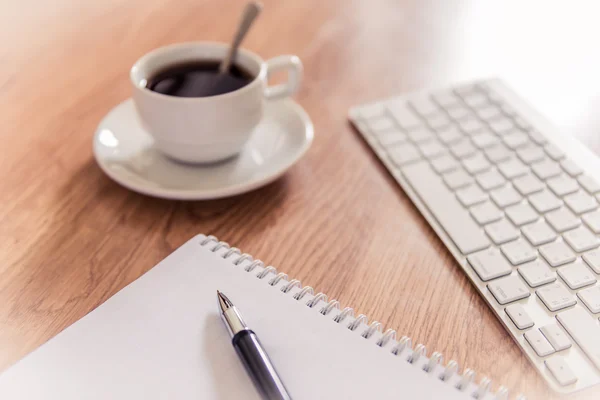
x=250, y=13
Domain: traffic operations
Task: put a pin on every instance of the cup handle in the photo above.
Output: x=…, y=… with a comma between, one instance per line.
x=294, y=67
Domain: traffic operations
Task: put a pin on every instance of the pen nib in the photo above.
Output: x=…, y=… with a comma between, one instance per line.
x=224, y=302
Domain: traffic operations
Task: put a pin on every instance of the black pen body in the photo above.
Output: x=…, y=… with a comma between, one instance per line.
x=259, y=366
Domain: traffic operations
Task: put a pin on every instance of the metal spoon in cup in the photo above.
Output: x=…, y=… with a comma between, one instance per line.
x=250, y=13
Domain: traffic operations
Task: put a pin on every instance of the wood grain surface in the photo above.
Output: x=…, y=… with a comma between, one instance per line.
x=70, y=237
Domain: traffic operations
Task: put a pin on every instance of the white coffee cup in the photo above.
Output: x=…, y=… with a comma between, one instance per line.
x=207, y=129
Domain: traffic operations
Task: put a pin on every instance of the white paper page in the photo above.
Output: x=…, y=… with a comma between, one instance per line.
x=162, y=338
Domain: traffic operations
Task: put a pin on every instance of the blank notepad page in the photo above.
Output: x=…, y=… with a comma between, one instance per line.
x=161, y=337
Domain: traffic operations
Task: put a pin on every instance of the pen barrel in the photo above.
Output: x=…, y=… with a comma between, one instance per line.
x=259, y=366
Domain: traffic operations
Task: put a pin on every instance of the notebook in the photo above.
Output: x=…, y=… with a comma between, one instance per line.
x=161, y=337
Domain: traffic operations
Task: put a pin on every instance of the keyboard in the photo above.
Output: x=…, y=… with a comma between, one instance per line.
x=515, y=202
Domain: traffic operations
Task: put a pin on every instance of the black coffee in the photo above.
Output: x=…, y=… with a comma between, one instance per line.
x=198, y=79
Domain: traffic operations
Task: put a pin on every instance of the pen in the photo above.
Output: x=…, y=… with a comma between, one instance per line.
x=253, y=356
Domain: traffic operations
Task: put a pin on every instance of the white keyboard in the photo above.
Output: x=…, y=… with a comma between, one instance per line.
x=515, y=202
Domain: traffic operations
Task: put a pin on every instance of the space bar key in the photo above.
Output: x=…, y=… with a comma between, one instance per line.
x=442, y=203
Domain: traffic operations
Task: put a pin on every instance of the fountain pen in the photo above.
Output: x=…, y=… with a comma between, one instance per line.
x=253, y=356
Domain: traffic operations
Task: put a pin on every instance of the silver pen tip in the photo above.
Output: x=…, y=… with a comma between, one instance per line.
x=224, y=303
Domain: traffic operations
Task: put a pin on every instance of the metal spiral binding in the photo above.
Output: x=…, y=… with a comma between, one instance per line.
x=414, y=355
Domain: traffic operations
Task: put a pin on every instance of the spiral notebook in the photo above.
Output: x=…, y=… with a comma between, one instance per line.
x=161, y=337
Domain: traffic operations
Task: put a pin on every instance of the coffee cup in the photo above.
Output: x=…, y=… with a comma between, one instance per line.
x=213, y=128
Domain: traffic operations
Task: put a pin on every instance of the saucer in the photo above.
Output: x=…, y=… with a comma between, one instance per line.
x=126, y=153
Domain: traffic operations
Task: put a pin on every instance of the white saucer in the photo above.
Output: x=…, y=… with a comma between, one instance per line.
x=125, y=152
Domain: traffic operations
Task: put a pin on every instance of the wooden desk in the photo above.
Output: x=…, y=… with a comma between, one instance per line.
x=70, y=237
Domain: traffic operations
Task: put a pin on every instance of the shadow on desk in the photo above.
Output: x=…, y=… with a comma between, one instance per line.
x=107, y=201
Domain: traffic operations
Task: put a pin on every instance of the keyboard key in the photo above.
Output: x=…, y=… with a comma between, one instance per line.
x=374, y=110
x=521, y=214
x=505, y=196
x=419, y=135
x=471, y=195
x=463, y=231
x=485, y=87
x=457, y=179
x=519, y=316
x=497, y=153
x=537, y=273
x=423, y=105
x=438, y=121
x=528, y=184
x=591, y=298
x=489, y=264
x=501, y=125
x=584, y=330
x=576, y=275
x=486, y=213
x=562, y=185
x=519, y=252
x=521, y=123
x=554, y=152
x=592, y=258
x=493, y=97
x=404, y=116
x=571, y=168
x=544, y=201
x=562, y=220
x=476, y=100
x=556, y=297
x=581, y=239
x=557, y=253
x=515, y=139
x=539, y=343
x=512, y=168
x=589, y=184
x=509, y=289
x=390, y=138
x=359, y=124
x=476, y=164
x=450, y=135
x=466, y=89
x=462, y=149
x=561, y=371
x=488, y=112
x=381, y=124
x=508, y=110
x=404, y=154
x=537, y=137
x=546, y=169
x=484, y=139
x=581, y=202
x=471, y=125
x=592, y=220
x=490, y=179
x=445, y=163
x=501, y=231
x=458, y=112
x=538, y=233
x=530, y=154
x=446, y=99
x=432, y=149
x=557, y=338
